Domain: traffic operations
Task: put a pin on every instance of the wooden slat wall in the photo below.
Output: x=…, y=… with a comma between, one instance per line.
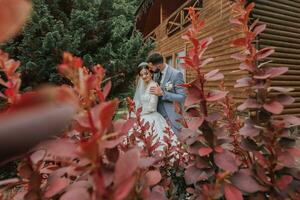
x=216, y=14
x=283, y=33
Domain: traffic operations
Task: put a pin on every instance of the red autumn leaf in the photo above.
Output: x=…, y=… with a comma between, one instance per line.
x=14, y=14
x=280, y=89
x=260, y=158
x=153, y=177
x=205, y=42
x=111, y=143
x=195, y=41
x=254, y=24
x=78, y=193
x=126, y=165
x=213, y=116
x=226, y=161
x=247, y=66
x=294, y=151
x=184, y=134
x=238, y=56
x=80, y=184
x=194, y=122
x=262, y=76
x=292, y=120
x=240, y=42
x=124, y=189
x=92, y=83
x=276, y=71
x=146, y=162
x=158, y=193
x=265, y=52
x=273, y=107
x=259, y=29
x=219, y=149
x=244, y=82
x=193, y=174
x=77, y=62
x=202, y=164
x=249, y=103
x=244, y=181
x=204, y=151
x=216, y=95
x=235, y=21
x=285, y=99
x=206, y=61
x=107, y=111
x=55, y=186
x=284, y=181
x=25, y=170
x=60, y=148
x=214, y=75
x=250, y=7
x=286, y=159
x=220, y=132
x=249, y=130
x=193, y=96
x=188, y=62
x=123, y=126
x=232, y=193
x=106, y=89
x=91, y=148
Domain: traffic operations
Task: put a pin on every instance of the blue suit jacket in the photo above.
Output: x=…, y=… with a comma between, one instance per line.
x=176, y=94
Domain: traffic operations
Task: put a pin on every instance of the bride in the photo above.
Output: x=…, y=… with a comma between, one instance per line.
x=148, y=102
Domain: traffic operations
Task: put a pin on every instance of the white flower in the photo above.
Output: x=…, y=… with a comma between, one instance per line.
x=169, y=86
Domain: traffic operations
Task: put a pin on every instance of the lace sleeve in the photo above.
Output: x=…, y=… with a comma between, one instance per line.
x=151, y=106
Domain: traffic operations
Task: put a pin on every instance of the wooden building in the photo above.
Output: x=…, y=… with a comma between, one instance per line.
x=164, y=22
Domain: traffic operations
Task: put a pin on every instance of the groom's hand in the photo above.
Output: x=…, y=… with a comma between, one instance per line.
x=156, y=91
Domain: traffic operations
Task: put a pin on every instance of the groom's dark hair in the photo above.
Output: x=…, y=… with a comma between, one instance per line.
x=155, y=58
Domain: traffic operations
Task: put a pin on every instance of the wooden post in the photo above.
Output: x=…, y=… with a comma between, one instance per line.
x=161, y=12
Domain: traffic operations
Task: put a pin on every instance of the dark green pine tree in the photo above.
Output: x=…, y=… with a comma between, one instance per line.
x=99, y=31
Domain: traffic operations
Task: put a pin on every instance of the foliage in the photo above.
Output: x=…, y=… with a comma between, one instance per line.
x=94, y=158
x=236, y=159
x=222, y=156
x=98, y=31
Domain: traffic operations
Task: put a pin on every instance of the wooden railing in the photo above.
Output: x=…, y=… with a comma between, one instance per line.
x=177, y=21
x=180, y=18
x=151, y=36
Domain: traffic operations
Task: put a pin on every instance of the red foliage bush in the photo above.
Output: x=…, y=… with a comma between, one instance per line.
x=254, y=159
x=94, y=158
x=98, y=157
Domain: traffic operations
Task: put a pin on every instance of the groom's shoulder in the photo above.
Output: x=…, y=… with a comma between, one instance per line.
x=174, y=70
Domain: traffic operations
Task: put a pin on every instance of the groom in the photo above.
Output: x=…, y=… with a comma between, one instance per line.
x=168, y=90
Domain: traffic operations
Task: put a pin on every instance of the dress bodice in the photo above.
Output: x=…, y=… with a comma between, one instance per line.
x=148, y=100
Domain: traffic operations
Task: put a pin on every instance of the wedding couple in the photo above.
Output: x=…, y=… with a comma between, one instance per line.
x=157, y=89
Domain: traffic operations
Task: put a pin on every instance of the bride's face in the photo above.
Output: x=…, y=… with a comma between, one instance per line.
x=145, y=75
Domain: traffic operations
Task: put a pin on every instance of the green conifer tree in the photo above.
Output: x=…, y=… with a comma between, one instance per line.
x=99, y=31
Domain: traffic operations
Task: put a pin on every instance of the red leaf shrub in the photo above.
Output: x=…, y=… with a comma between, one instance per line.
x=221, y=155
x=271, y=164
x=232, y=158
x=232, y=193
x=91, y=157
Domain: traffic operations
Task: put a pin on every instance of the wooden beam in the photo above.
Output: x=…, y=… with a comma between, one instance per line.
x=161, y=12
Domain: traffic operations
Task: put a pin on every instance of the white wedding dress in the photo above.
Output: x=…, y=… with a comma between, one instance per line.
x=143, y=98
